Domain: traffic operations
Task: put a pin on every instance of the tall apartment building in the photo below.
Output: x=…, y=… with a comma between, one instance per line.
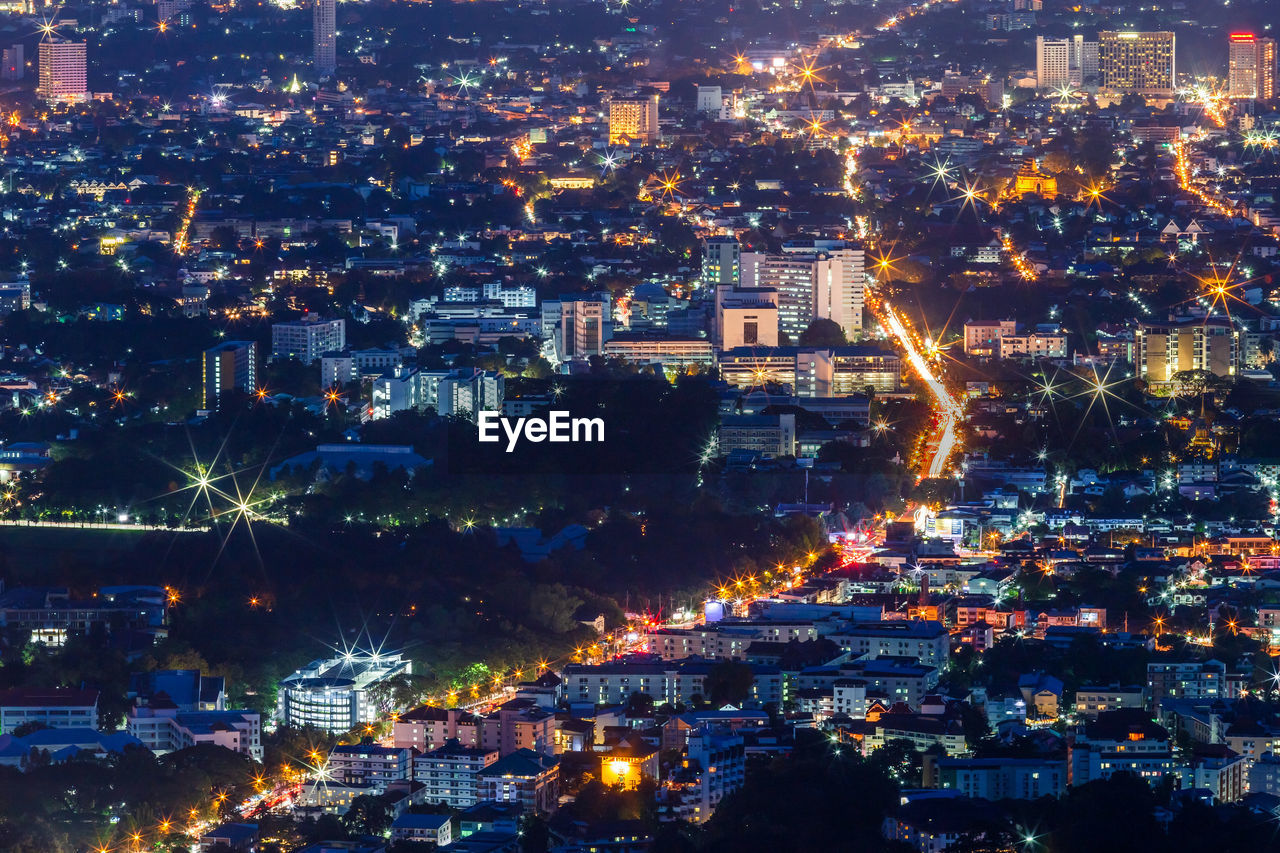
x=633, y=120
x=1136, y=62
x=324, y=37
x=308, y=339
x=1164, y=349
x=1084, y=59
x=12, y=64
x=1065, y=62
x=720, y=259
x=1251, y=66
x=824, y=284
x=230, y=366
x=1053, y=65
x=579, y=325
x=63, y=77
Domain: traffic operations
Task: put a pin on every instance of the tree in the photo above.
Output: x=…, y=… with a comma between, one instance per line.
x=823, y=332
x=729, y=683
x=368, y=815
x=29, y=728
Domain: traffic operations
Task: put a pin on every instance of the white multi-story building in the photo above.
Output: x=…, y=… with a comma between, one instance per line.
x=466, y=392
x=333, y=694
x=339, y=368
x=308, y=339
x=520, y=296
x=324, y=37
x=927, y=642
x=163, y=728
x=612, y=683
x=451, y=773
x=720, y=259
x=1065, y=62
x=56, y=707
x=1126, y=740
x=369, y=764
x=713, y=766
x=811, y=283
x=63, y=77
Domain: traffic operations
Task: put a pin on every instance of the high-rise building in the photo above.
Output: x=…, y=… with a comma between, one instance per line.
x=308, y=339
x=1251, y=66
x=842, y=294
x=633, y=120
x=1166, y=349
x=1053, y=63
x=579, y=325
x=720, y=257
x=1083, y=60
x=324, y=37
x=1136, y=63
x=230, y=366
x=13, y=66
x=63, y=77
x=811, y=282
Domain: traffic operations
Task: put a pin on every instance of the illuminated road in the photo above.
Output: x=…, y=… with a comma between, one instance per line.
x=1186, y=180
x=948, y=410
x=102, y=525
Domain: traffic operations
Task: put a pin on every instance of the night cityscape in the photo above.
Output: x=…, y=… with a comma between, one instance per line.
x=639, y=426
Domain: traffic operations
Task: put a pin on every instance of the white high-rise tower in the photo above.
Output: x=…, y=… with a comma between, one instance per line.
x=324, y=34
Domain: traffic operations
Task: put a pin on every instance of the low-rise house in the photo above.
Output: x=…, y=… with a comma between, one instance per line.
x=434, y=829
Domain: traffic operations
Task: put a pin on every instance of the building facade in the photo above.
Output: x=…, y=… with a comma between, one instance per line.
x=308, y=339
x=1251, y=67
x=334, y=694
x=230, y=366
x=633, y=120
x=324, y=37
x=1139, y=63
x=63, y=78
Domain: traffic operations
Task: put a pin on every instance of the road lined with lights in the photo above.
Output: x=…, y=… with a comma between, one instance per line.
x=1182, y=169
x=948, y=409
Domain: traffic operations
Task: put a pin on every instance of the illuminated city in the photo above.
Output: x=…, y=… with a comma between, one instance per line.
x=643, y=426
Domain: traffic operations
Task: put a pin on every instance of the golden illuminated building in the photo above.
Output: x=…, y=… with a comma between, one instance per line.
x=1030, y=181
x=1136, y=62
x=633, y=120
x=629, y=763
